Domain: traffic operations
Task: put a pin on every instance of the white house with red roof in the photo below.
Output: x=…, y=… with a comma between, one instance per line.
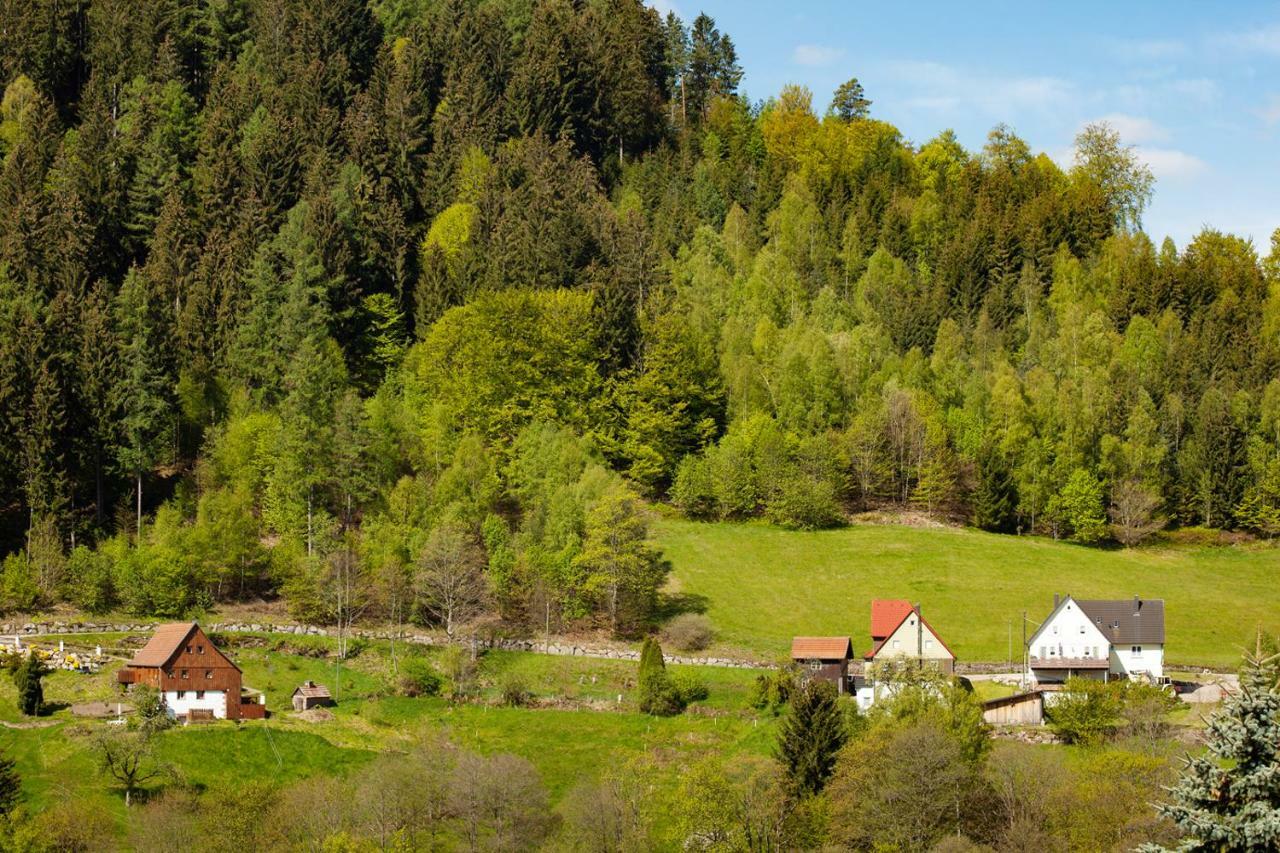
x=900, y=633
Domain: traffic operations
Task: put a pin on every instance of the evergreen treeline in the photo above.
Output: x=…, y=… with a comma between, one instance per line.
x=404, y=305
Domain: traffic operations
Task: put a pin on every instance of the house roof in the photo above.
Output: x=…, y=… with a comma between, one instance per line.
x=886, y=615
x=311, y=690
x=821, y=648
x=1127, y=620
x=880, y=641
x=164, y=644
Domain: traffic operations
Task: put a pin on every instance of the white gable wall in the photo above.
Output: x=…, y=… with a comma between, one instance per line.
x=1068, y=633
x=911, y=641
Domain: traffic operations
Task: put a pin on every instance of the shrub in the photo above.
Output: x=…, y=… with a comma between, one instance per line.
x=658, y=695
x=515, y=690
x=693, y=490
x=419, y=678
x=690, y=632
x=689, y=688
x=1086, y=711
x=772, y=689
x=1146, y=708
x=804, y=503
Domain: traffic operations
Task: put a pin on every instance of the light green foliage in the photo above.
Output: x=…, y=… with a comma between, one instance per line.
x=507, y=360
x=619, y=566
x=1086, y=711
x=1079, y=507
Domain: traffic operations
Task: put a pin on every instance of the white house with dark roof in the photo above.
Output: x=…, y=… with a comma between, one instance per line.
x=1098, y=638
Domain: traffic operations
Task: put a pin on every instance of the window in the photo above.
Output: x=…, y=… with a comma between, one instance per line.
x=184, y=674
x=1095, y=651
x=815, y=665
x=182, y=694
x=1042, y=651
x=199, y=650
x=208, y=673
x=928, y=644
x=199, y=694
x=1055, y=629
x=1081, y=629
x=1137, y=651
x=896, y=644
x=188, y=650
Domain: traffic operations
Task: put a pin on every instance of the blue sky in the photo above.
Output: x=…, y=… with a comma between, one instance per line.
x=1195, y=87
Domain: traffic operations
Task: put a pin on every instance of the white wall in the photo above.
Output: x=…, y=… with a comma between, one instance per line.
x=1150, y=659
x=213, y=700
x=908, y=638
x=1069, y=633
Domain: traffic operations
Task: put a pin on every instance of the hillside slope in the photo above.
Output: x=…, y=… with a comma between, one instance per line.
x=761, y=585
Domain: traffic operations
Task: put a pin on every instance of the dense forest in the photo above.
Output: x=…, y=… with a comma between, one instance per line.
x=410, y=308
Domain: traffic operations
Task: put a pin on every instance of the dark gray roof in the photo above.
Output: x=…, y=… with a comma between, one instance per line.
x=1127, y=620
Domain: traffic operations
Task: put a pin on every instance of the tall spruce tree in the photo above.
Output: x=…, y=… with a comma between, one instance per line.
x=1229, y=798
x=811, y=736
x=995, y=498
x=10, y=785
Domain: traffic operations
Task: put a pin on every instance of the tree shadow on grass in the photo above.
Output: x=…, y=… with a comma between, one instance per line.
x=672, y=604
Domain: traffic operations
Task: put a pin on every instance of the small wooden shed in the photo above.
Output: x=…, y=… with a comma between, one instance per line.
x=1021, y=709
x=827, y=658
x=311, y=695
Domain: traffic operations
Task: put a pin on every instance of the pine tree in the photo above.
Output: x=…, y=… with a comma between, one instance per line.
x=27, y=679
x=811, y=736
x=1233, y=803
x=10, y=785
x=995, y=498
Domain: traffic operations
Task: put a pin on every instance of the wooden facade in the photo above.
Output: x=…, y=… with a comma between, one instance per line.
x=1022, y=709
x=824, y=658
x=181, y=658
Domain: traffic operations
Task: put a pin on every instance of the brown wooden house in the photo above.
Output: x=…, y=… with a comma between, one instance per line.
x=311, y=695
x=195, y=680
x=827, y=658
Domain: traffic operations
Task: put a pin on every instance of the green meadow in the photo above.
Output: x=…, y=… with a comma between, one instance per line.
x=761, y=585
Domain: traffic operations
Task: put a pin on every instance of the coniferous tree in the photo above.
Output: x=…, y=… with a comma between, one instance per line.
x=995, y=499
x=1229, y=799
x=27, y=679
x=811, y=736
x=10, y=785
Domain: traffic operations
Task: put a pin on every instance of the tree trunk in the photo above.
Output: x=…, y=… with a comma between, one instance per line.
x=139, y=507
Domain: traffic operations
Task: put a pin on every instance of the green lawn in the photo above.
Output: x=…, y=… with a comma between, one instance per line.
x=761, y=585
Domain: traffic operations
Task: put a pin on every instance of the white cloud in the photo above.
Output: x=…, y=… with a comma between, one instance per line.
x=1145, y=50
x=1201, y=89
x=1261, y=40
x=816, y=55
x=1170, y=163
x=1133, y=129
x=664, y=6
x=948, y=89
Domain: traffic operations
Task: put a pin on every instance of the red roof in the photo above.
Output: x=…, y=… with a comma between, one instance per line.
x=880, y=641
x=163, y=645
x=821, y=648
x=886, y=615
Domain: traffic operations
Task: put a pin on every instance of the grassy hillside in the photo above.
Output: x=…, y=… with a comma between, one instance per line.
x=761, y=585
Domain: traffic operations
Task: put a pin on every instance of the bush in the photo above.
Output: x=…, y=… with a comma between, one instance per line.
x=658, y=695
x=804, y=503
x=1086, y=711
x=693, y=490
x=690, y=632
x=772, y=689
x=419, y=678
x=1146, y=708
x=515, y=690
x=689, y=688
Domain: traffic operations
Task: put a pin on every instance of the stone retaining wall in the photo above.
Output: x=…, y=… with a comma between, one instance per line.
x=555, y=647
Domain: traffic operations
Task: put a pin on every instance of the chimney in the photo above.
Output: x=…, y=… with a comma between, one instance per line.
x=1137, y=605
x=1056, y=599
